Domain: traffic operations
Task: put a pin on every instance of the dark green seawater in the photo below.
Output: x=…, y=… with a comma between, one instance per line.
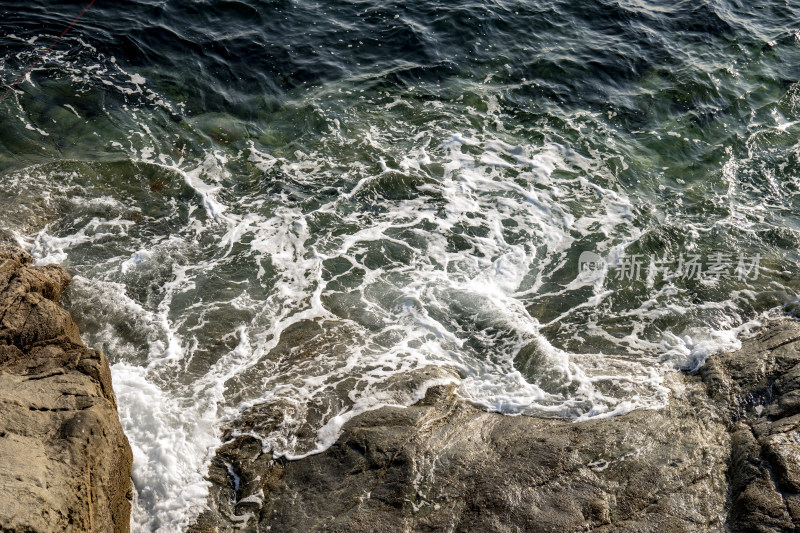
x=326, y=206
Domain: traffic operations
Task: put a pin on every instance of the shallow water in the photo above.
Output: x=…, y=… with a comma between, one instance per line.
x=307, y=203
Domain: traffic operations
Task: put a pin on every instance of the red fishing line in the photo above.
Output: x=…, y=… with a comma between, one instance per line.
x=11, y=88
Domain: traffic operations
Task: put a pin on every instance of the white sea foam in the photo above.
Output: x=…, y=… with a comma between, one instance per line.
x=191, y=291
x=171, y=439
x=446, y=308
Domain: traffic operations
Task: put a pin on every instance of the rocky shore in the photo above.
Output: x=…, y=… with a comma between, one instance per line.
x=723, y=456
x=65, y=463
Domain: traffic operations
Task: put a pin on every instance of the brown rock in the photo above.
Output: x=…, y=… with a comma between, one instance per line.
x=65, y=463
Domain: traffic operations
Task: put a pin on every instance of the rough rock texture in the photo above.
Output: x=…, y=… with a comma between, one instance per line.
x=65, y=463
x=443, y=465
x=759, y=389
x=723, y=456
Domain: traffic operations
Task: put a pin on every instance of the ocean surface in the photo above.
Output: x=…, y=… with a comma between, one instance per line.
x=326, y=206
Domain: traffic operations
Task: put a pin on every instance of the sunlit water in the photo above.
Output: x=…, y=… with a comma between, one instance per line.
x=395, y=189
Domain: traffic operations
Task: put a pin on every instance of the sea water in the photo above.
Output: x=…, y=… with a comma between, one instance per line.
x=326, y=207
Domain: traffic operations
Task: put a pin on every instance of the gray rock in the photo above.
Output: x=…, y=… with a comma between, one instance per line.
x=65, y=462
x=724, y=455
x=759, y=390
x=706, y=462
x=443, y=465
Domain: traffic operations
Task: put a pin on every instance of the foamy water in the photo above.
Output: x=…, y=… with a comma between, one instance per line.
x=373, y=234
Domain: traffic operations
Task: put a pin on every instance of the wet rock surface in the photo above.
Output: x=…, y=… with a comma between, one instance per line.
x=65, y=463
x=758, y=387
x=724, y=455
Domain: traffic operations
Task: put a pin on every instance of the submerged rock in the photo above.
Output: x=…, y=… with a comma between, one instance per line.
x=65, y=464
x=724, y=455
